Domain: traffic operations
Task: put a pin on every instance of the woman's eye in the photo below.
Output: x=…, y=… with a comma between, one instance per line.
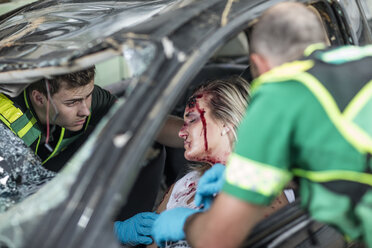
x=193, y=120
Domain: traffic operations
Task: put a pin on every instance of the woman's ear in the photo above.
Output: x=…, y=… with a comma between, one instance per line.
x=225, y=130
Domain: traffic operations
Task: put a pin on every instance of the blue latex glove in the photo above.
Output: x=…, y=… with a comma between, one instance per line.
x=169, y=225
x=209, y=184
x=136, y=230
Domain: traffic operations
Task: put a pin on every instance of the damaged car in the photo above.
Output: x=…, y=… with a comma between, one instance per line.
x=151, y=64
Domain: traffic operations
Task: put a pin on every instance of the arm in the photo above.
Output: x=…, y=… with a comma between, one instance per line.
x=162, y=207
x=221, y=228
x=168, y=134
x=163, y=204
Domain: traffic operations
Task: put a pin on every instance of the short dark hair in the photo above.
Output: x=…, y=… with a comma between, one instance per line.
x=285, y=30
x=72, y=80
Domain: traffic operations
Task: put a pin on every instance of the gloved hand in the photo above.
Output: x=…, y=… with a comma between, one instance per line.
x=209, y=184
x=169, y=225
x=136, y=230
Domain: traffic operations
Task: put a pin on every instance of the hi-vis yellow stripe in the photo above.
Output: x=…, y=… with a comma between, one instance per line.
x=359, y=101
x=26, y=128
x=284, y=72
x=296, y=71
x=326, y=176
x=8, y=110
x=254, y=176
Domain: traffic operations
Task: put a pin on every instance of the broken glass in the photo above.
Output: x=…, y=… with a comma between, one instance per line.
x=21, y=172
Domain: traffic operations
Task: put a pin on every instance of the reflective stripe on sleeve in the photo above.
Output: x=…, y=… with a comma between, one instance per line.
x=254, y=176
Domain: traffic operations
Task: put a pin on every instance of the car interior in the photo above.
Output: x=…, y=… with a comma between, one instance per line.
x=231, y=59
x=162, y=165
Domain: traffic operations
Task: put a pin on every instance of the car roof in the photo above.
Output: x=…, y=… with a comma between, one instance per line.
x=55, y=37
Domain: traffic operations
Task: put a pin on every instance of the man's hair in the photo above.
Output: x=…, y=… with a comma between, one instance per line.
x=284, y=31
x=228, y=99
x=71, y=80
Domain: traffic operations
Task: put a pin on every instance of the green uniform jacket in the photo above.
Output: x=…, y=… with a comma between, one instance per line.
x=311, y=119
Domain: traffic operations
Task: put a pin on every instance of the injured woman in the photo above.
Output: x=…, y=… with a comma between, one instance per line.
x=211, y=118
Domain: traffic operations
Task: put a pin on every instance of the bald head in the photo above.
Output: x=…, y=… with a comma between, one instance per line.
x=284, y=31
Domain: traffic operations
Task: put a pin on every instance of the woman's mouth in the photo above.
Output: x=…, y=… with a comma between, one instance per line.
x=186, y=144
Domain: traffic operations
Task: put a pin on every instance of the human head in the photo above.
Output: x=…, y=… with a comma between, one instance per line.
x=282, y=34
x=212, y=115
x=69, y=95
x=70, y=81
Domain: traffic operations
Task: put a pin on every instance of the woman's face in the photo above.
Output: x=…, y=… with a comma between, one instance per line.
x=204, y=139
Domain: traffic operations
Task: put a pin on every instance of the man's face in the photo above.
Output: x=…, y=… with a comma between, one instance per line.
x=73, y=106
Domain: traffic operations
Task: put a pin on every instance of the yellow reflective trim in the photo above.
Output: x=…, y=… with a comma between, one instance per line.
x=358, y=102
x=26, y=128
x=310, y=49
x=282, y=73
x=349, y=130
x=6, y=122
x=345, y=54
x=326, y=176
x=254, y=176
x=8, y=110
x=25, y=97
x=37, y=145
x=87, y=122
x=57, y=146
x=353, y=133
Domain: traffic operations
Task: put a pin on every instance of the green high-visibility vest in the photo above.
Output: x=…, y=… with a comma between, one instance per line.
x=345, y=97
x=24, y=125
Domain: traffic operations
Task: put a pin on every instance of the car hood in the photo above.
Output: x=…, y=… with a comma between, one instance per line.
x=49, y=37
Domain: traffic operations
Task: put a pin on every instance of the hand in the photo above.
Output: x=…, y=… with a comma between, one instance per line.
x=135, y=230
x=169, y=225
x=209, y=184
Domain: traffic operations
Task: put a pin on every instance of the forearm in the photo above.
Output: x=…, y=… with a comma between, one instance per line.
x=195, y=230
x=226, y=224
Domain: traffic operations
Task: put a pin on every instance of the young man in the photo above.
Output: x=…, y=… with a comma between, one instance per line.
x=308, y=118
x=52, y=114
x=56, y=115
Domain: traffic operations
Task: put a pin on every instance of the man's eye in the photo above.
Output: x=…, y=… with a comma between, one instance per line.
x=70, y=104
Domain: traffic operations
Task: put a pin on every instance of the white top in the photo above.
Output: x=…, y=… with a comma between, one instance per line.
x=183, y=190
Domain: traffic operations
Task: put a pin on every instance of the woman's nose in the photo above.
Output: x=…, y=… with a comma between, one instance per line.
x=183, y=133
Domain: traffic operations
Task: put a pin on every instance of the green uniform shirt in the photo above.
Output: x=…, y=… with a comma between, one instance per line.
x=286, y=128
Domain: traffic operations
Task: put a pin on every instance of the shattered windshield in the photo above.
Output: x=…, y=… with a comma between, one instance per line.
x=21, y=172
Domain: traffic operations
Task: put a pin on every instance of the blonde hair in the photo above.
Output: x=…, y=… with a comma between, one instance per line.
x=228, y=99
x=228, y=103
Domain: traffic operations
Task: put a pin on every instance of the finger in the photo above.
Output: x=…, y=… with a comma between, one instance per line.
x=147, y=222
x=207, y=178
x=198, y=199
x=207, y=202
x=145, y=240
x=209, y=189
x=148, y=215
x=145, y=231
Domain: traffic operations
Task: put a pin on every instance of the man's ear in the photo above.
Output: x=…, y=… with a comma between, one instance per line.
x=38, y=98
x=259, y=64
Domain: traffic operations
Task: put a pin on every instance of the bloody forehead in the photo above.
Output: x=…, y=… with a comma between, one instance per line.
x=191, y=103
